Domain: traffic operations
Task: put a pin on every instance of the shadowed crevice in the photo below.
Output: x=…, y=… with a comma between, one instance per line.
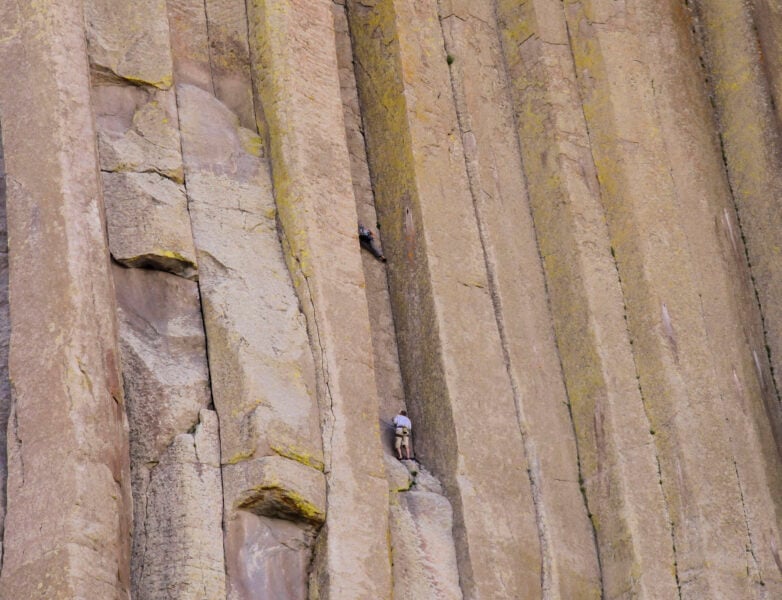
x=5, y=333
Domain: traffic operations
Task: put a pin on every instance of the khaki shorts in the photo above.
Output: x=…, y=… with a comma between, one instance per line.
x=402, y=438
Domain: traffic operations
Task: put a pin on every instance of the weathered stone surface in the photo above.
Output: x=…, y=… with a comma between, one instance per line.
x=130, y=40
x=277, y=487
x=5, y=335
x=422, y=547
x=388, y=377
x=183, y=552
x=138, y=130
x=260, y=360
x=674, y=286
x=164, y=364
x=630, y=515
x=496, y=179
x=68, y=519
x=747, y=91
x=451, y=354
x=163, y=355
x=296, y=73
x=190, y=43
x=148, y=223
x=229, y=53
x=261, y=363
x=270, y=558
x=732, y=324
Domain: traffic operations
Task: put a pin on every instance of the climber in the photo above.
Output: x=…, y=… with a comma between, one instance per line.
x=402, y=429
x=368, y=241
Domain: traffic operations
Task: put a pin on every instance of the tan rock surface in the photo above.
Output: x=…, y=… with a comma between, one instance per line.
x=166, y=382
x=422, y=547
x=450, y=349
x=746, y=93
x=130, y=40
x=497, y=186
x=138, y=130
x=273, y=557
x=5, y=335
x=618, y=461
x=190, y=43
x=669, y=300
x=277, y=487
x=260, y=361
x=578, y=201
x=182, y=555
x=68, y=520
x=148, y=223
x=229, y=53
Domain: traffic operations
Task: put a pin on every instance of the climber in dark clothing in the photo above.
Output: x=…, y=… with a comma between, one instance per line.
x=368, y=241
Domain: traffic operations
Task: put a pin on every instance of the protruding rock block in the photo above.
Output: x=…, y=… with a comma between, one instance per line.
x=183, y=551
x=130, y=40
x=137, y=130
x=277, y=487
x=148, y=223
x=68, y=521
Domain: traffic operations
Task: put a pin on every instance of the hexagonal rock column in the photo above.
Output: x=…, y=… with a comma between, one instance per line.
x=166, y=380
x=618, y=459
x=456, y=375
x=183, y=526
x=262, y=375
x=68, y=521
x=663, y=188
x=498, y=188
x=294, y=55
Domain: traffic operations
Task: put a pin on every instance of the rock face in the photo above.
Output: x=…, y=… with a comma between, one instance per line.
x=199, y=364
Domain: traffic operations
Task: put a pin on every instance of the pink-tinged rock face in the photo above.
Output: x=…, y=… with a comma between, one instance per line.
x=578, y=204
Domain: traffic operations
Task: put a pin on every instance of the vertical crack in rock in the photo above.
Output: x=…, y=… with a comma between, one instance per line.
x=571, y=419
x=474, y=182
x=754, y=567
x=5, y=331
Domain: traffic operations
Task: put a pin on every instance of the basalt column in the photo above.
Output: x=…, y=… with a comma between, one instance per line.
x=174, y=446
x=741, y=50
x=619, y=462
x=453, y=363
x=662, y=189
x=296, y=74
x=68, y=520
x=498, y=190
x=261, y=367
x=423, y=555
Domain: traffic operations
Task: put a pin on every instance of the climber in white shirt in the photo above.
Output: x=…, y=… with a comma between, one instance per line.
x=402, y=427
